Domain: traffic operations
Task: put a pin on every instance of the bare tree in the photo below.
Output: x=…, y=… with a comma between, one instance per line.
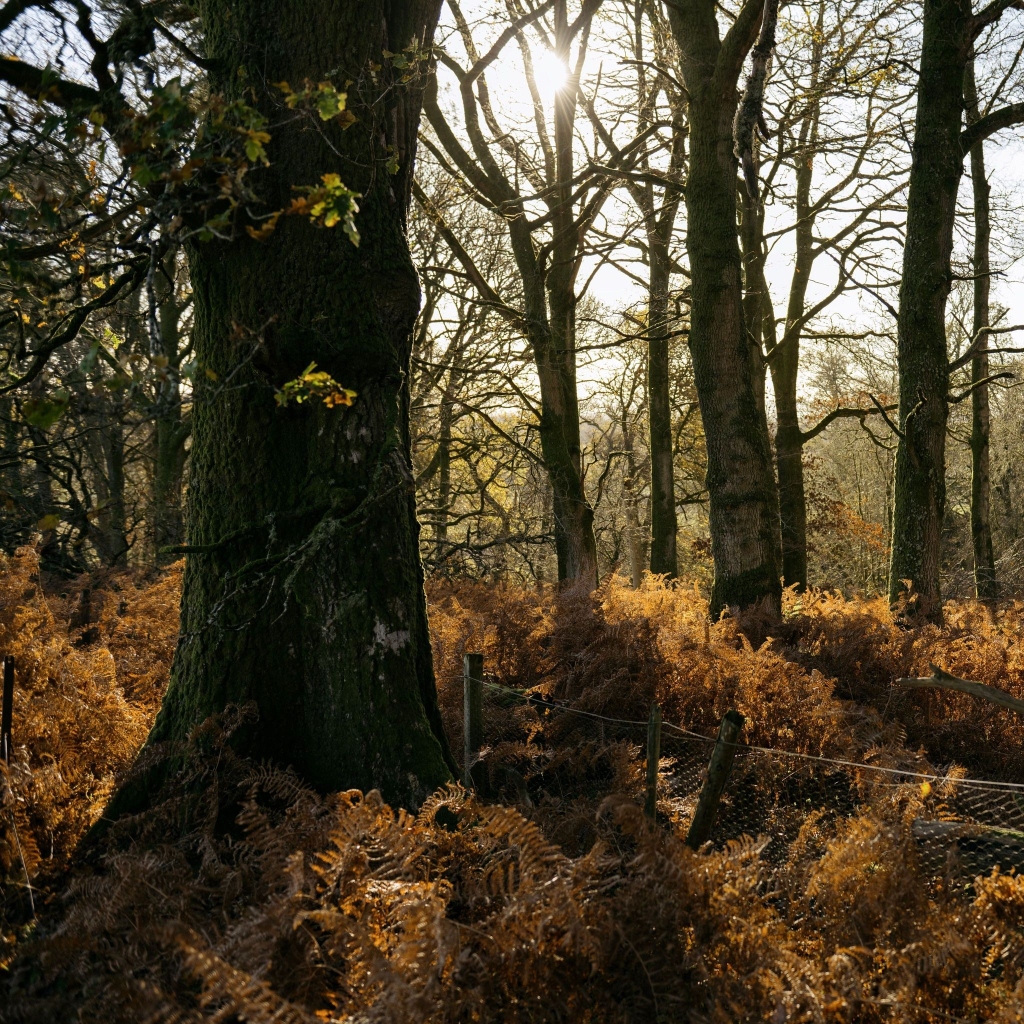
x=744, y=508
x=949, y=31
x=532, y=182
x=837, y=167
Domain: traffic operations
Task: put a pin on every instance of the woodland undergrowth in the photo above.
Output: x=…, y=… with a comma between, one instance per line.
x=243, y=895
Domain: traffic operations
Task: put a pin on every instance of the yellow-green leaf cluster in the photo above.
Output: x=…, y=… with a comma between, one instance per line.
x=314, y=384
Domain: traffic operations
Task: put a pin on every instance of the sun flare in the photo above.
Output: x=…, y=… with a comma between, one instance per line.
x=550, y=73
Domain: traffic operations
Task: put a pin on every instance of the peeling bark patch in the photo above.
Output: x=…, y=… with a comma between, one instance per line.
x=391, y=641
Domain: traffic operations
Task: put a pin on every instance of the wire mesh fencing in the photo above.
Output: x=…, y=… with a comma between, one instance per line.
x=535, y=749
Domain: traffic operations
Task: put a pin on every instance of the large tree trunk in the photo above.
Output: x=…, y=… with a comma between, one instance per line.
x=303, y=589
x=920, y=483
x=744, y=506
x=985, y=583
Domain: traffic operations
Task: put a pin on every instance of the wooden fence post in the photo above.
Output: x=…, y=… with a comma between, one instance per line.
x=473, y=775
x=7, y=710
x=653, y=757
x=718, y=774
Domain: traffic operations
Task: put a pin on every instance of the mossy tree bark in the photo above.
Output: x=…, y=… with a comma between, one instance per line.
x=744, y=507
x=948, y=33
x=303, y=589
x=920, y=475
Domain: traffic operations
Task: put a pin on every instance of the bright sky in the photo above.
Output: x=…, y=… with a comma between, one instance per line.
x=856, y=310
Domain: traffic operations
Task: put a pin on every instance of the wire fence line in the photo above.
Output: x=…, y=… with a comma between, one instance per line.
x=971, y=824
x=550, y=704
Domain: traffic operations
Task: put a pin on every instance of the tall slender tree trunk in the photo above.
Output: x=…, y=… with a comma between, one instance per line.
x=444, y=473
x=664, y=527
x=169, y=437
x=547, y=271
x=634, y=541
x=783, y=360
x=303, y=587
x=659, y=214
x=758, y=312
x=561, y=448
x=920, y=475
x=51, y=555
x=789, y=461
x=785, y=370
x=12, y=489
x=110, y=534
x=574, y=517
x=744, y=504
x=985, y=582
x=170, y=432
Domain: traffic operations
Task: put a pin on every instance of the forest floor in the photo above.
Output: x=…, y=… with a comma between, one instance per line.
x=856, y=872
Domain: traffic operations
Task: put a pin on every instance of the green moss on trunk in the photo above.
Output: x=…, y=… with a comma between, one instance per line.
x=305, y=593
x=920, y=483
x=728, y=371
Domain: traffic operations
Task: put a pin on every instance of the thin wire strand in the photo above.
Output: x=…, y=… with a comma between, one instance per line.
x=990, y=784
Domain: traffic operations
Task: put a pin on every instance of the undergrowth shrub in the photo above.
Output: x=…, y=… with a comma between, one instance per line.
x=243, y=895
x=818, y=682
x=240, y=894
x=858, y=645
x=83, y=706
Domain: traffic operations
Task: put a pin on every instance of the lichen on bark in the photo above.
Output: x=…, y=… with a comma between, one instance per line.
x=304, y=591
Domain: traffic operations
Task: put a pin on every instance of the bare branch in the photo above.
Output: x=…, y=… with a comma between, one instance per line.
x=884, y=412
x=981, y=335
x=942, y=680
x=750, y=112
x=1005, y=375
x=992, y=13
x=1005, y=117
x=487, y=293
x=844, y=412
